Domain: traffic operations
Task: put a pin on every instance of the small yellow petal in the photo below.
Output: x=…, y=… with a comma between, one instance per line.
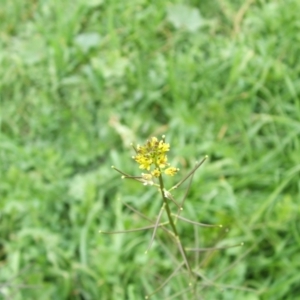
x=171, y=171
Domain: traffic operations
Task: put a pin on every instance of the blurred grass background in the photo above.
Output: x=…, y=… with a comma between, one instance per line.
x=81, y=80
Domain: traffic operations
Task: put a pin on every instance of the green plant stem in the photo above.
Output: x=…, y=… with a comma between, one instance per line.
x=168, y=210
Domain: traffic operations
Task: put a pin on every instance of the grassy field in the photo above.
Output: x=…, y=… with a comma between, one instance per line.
x=81, y=80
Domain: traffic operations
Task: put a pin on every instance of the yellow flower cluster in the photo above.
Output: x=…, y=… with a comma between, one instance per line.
x=152, y=157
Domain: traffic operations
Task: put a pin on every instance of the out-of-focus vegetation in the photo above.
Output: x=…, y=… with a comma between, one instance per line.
x=81, y=80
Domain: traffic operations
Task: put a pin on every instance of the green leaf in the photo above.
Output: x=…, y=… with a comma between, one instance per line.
x=88, y=40
x=183, y=16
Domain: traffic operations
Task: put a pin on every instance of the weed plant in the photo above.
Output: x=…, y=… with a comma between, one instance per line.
x=80, y=80
x=152, y=157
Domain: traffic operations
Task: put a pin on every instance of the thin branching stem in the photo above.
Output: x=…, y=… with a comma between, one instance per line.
x=170, y=197
x=156, y=226
x=235, y=262
x=123, y=173
x=136, y=178
x=189, y=174
x=166, y=281
x=183, y=253
x=196, y=223
x=213, y=248
x=146, y=218
x=185, y=196
x=135, y=229
x=162, y=189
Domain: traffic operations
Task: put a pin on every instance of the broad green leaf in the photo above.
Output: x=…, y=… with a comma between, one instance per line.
x=88, y=40
x=183, y=16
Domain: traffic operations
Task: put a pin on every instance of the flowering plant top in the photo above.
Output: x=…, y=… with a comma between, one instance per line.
x=152, y=158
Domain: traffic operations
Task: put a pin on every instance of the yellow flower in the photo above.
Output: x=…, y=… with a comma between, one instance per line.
x=163, y=147
x=153, y=153
x=162, y=161
x=156, y=173
x=144, y=161
x=171, y=171
x=153, y=142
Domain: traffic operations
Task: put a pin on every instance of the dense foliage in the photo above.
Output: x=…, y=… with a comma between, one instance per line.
x=81, y=80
